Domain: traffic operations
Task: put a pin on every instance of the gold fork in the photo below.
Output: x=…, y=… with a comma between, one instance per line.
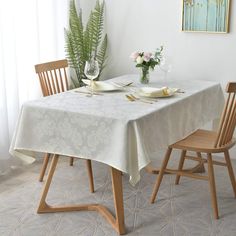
x=120, y=84
x=129, y=98
x=151, y=100
x=132, y=98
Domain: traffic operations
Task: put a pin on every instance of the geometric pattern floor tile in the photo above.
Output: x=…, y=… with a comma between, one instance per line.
x=179, y=210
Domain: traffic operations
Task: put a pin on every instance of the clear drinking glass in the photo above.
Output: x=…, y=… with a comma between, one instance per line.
x=91, y=71
x=165, y=67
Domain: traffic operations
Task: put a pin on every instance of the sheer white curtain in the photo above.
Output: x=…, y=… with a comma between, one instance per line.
x=31, y=32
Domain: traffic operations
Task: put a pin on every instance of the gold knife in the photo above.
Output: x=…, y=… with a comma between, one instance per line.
x=84, y=92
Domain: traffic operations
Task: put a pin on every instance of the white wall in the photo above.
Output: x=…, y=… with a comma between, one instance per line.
x=146, y=24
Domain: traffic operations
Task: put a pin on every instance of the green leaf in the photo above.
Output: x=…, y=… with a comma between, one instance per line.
x=101, y=56
x=81, y=43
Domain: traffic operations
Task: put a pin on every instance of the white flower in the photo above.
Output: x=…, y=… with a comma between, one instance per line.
x=139, y=60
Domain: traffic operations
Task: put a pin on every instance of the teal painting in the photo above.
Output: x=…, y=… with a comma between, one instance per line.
x=205, y=15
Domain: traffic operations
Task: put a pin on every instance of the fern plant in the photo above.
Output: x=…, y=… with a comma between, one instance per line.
x=83, y=42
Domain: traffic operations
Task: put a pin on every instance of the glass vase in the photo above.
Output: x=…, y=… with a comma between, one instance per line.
x=144, y=75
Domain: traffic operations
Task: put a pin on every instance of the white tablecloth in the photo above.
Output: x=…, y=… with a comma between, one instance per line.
x=110, y=129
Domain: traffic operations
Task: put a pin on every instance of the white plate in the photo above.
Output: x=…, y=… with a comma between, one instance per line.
x=102, y=86
x=157, y=92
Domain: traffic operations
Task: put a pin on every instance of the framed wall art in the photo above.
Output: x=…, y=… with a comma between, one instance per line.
x=211, y=16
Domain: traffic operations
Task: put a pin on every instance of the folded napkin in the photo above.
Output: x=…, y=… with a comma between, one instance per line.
x=100, y=85
x=157, y=92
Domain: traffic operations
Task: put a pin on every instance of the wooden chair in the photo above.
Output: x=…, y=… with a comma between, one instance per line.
x=53, y=79
x=209, y=142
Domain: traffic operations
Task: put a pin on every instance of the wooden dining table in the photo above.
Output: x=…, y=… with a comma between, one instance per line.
x=109, y=128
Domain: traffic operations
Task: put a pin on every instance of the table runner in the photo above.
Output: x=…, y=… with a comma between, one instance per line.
x=110, y=129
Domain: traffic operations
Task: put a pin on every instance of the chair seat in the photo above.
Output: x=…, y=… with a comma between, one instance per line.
x=201, y=141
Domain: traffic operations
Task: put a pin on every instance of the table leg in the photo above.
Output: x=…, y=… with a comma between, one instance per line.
x=44, y=166
x=118, y=199
x=116, y=222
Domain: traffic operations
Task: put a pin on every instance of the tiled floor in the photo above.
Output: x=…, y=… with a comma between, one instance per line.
x=180, y=210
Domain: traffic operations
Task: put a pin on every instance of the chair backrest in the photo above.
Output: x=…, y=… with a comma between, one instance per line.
x=228, y=117
x=52, y=76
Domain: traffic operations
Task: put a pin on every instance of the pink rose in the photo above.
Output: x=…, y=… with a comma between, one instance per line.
x=147, y=56
x=134, y=55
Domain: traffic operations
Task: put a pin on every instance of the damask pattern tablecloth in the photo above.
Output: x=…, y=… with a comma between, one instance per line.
x=112, y=130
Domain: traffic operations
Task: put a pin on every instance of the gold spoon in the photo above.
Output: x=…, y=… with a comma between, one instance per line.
x=130, y=98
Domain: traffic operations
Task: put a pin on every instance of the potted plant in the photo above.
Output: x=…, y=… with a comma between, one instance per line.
x=83, y=42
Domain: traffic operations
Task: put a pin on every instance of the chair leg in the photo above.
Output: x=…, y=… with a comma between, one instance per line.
x=160, y=175
x=212, y=185
x=71, y=161
x=231, y=171
x=181, y=164
x=201, y=168
x=44, y=166
x=90, y=175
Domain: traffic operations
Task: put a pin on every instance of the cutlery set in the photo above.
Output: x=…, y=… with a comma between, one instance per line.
x=133, y=98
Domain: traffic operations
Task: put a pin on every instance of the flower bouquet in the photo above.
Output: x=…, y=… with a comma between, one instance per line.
x=146, y=60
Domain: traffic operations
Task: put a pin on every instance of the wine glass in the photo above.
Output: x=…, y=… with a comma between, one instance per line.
x=91, y=71
x=165, y=67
